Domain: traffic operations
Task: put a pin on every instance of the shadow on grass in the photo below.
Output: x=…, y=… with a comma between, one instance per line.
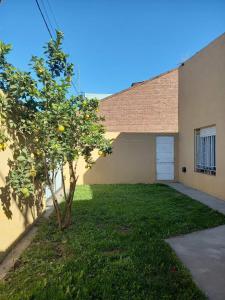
x=115, y=248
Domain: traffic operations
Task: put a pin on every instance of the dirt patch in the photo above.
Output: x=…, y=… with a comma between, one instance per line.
x=112, y=252
x=124, y=230
x=17, y=264
x=60, y=250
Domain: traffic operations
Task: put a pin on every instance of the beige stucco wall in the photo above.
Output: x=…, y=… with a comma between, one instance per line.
x=132, y=161
x=201, y=104
x=15, y=216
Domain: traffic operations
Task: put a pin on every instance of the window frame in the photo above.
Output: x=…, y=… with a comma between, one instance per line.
x=208, y=156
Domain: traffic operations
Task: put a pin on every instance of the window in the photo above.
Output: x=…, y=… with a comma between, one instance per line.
x=205, y=150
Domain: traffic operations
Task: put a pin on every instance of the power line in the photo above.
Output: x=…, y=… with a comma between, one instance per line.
x=43, y=17
x=48, y=28
x=77, y=81
x=52, y=12
x=47, y=16
x=75, y=87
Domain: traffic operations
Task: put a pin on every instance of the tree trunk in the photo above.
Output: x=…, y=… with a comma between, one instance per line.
x=56, y=206
x=54, y=199
x=67, y=220
x=63, y=183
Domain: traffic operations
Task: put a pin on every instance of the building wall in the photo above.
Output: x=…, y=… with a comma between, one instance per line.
x=149, y=106
x=15, y=215
x=132, y=161
x=201, y=104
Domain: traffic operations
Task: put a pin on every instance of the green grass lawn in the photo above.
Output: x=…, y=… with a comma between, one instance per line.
x=115, y=248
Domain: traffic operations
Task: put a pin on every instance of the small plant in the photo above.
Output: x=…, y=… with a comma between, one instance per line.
x=48, y=128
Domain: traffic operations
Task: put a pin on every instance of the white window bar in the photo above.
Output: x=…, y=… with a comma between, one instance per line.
x=205, y=150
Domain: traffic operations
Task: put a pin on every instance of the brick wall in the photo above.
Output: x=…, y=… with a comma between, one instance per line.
x=150, y=106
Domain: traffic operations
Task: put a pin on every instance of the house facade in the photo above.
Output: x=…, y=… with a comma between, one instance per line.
x=169, y=128
x=202, y=120
x=143, y=121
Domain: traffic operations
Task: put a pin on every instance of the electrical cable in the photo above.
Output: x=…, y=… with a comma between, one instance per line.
x=48, y=28
x=43, y=17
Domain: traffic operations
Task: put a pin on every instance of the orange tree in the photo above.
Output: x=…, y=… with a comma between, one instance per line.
x=45, y=126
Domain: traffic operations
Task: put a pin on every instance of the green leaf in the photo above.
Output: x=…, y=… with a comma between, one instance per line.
x=21, y=158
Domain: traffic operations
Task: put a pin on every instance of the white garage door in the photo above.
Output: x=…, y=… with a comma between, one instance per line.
x=165, y=157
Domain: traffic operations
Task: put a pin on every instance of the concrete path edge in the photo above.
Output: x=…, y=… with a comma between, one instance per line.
x=203, y=252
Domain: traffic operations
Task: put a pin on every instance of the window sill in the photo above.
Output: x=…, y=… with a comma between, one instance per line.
x=206, y=172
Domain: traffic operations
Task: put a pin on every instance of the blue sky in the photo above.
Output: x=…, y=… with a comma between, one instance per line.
x=115, y=42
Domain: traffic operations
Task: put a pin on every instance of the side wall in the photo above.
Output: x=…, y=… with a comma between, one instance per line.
x=15, y=216
x=202, y=104
x=132, y=161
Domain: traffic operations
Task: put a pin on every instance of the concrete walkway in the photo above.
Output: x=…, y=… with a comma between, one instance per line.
x=203, y=252
x=212, y=202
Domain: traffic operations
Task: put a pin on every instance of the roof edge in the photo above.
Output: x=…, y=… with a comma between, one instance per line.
x=141, y=83
x=202, y=49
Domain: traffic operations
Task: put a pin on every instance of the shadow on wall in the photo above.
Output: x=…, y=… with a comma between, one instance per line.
x=132, y=161
x=30, y=208
x=12, y=205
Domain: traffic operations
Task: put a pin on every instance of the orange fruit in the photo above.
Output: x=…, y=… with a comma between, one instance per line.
x=61, y=128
